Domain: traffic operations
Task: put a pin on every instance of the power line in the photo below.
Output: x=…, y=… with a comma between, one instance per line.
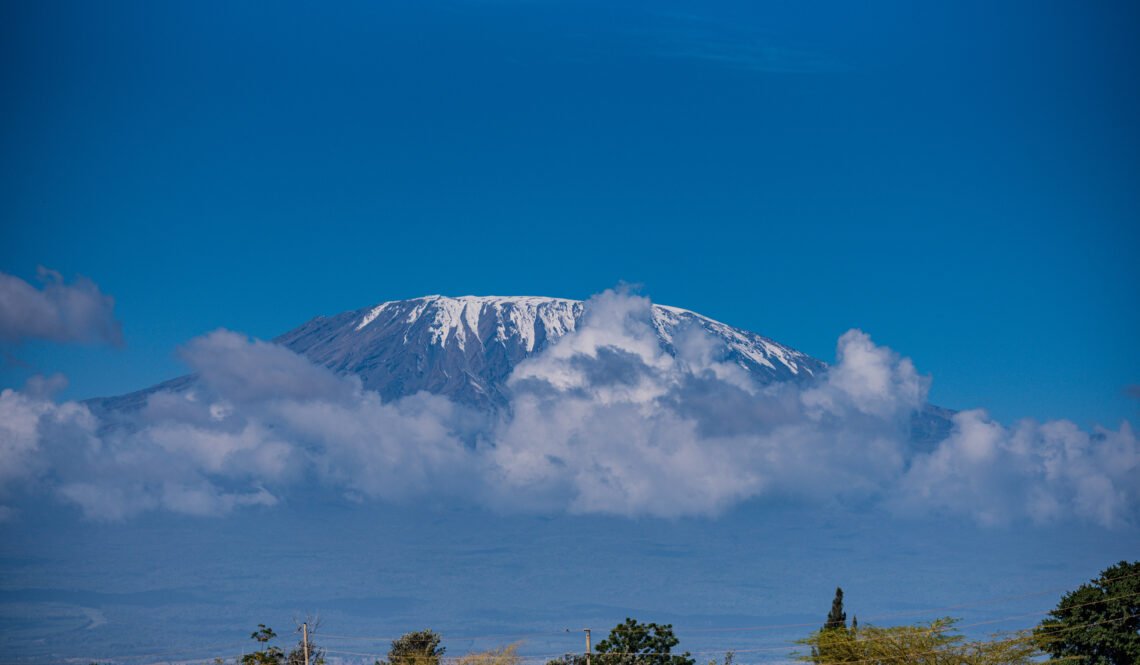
x=1010, y=617
x=1012, y=640
x=523, y=635
x=891, y=615
x=902, y=657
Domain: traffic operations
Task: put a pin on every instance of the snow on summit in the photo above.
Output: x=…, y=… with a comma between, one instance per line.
x=466, y=347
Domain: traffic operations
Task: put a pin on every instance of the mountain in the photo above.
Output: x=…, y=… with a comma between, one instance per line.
x=465, y=348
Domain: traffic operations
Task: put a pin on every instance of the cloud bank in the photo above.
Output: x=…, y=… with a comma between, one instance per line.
x=601, y=422
x=58, y=312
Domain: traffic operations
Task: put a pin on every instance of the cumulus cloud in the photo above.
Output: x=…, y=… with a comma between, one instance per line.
x=259, y=420
x=34, y=431
x=603, y=421
x=58, y=312
x=996, y=474
x=253, y=371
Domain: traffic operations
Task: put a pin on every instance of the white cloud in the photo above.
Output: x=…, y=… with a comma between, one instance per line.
x=1043, y=472
x=607, y=422
x=603, y=421
x=250, y=371
x=869, y=379
x=59, y=312
x=28, y=423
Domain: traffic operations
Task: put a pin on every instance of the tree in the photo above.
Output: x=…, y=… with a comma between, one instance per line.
x=1099, y=622
x=933, y=644
x=417, y=648
x=507, y=655
x=268, y=655
x=836, y=618
x=633, y=643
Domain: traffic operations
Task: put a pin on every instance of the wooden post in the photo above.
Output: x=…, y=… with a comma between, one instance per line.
x=305, y=641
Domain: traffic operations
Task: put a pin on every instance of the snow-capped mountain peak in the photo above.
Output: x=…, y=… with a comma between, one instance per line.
x=466, y=347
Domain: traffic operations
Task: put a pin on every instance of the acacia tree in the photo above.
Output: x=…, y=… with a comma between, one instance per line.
x=1099, y=622
x=932, y=644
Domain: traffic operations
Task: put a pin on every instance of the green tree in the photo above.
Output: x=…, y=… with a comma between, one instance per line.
x=836, y=618
x=1099, y=622
x=416, y=648
x=267, y=655
x=933, y=644
x=634, y=643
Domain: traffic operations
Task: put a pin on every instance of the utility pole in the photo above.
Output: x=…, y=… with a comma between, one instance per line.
x=587, y=631
x=305, y=640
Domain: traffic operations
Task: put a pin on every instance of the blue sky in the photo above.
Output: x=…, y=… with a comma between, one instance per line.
x=957, y=181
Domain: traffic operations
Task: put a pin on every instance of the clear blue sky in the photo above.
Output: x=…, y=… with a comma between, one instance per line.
x=961, y=180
